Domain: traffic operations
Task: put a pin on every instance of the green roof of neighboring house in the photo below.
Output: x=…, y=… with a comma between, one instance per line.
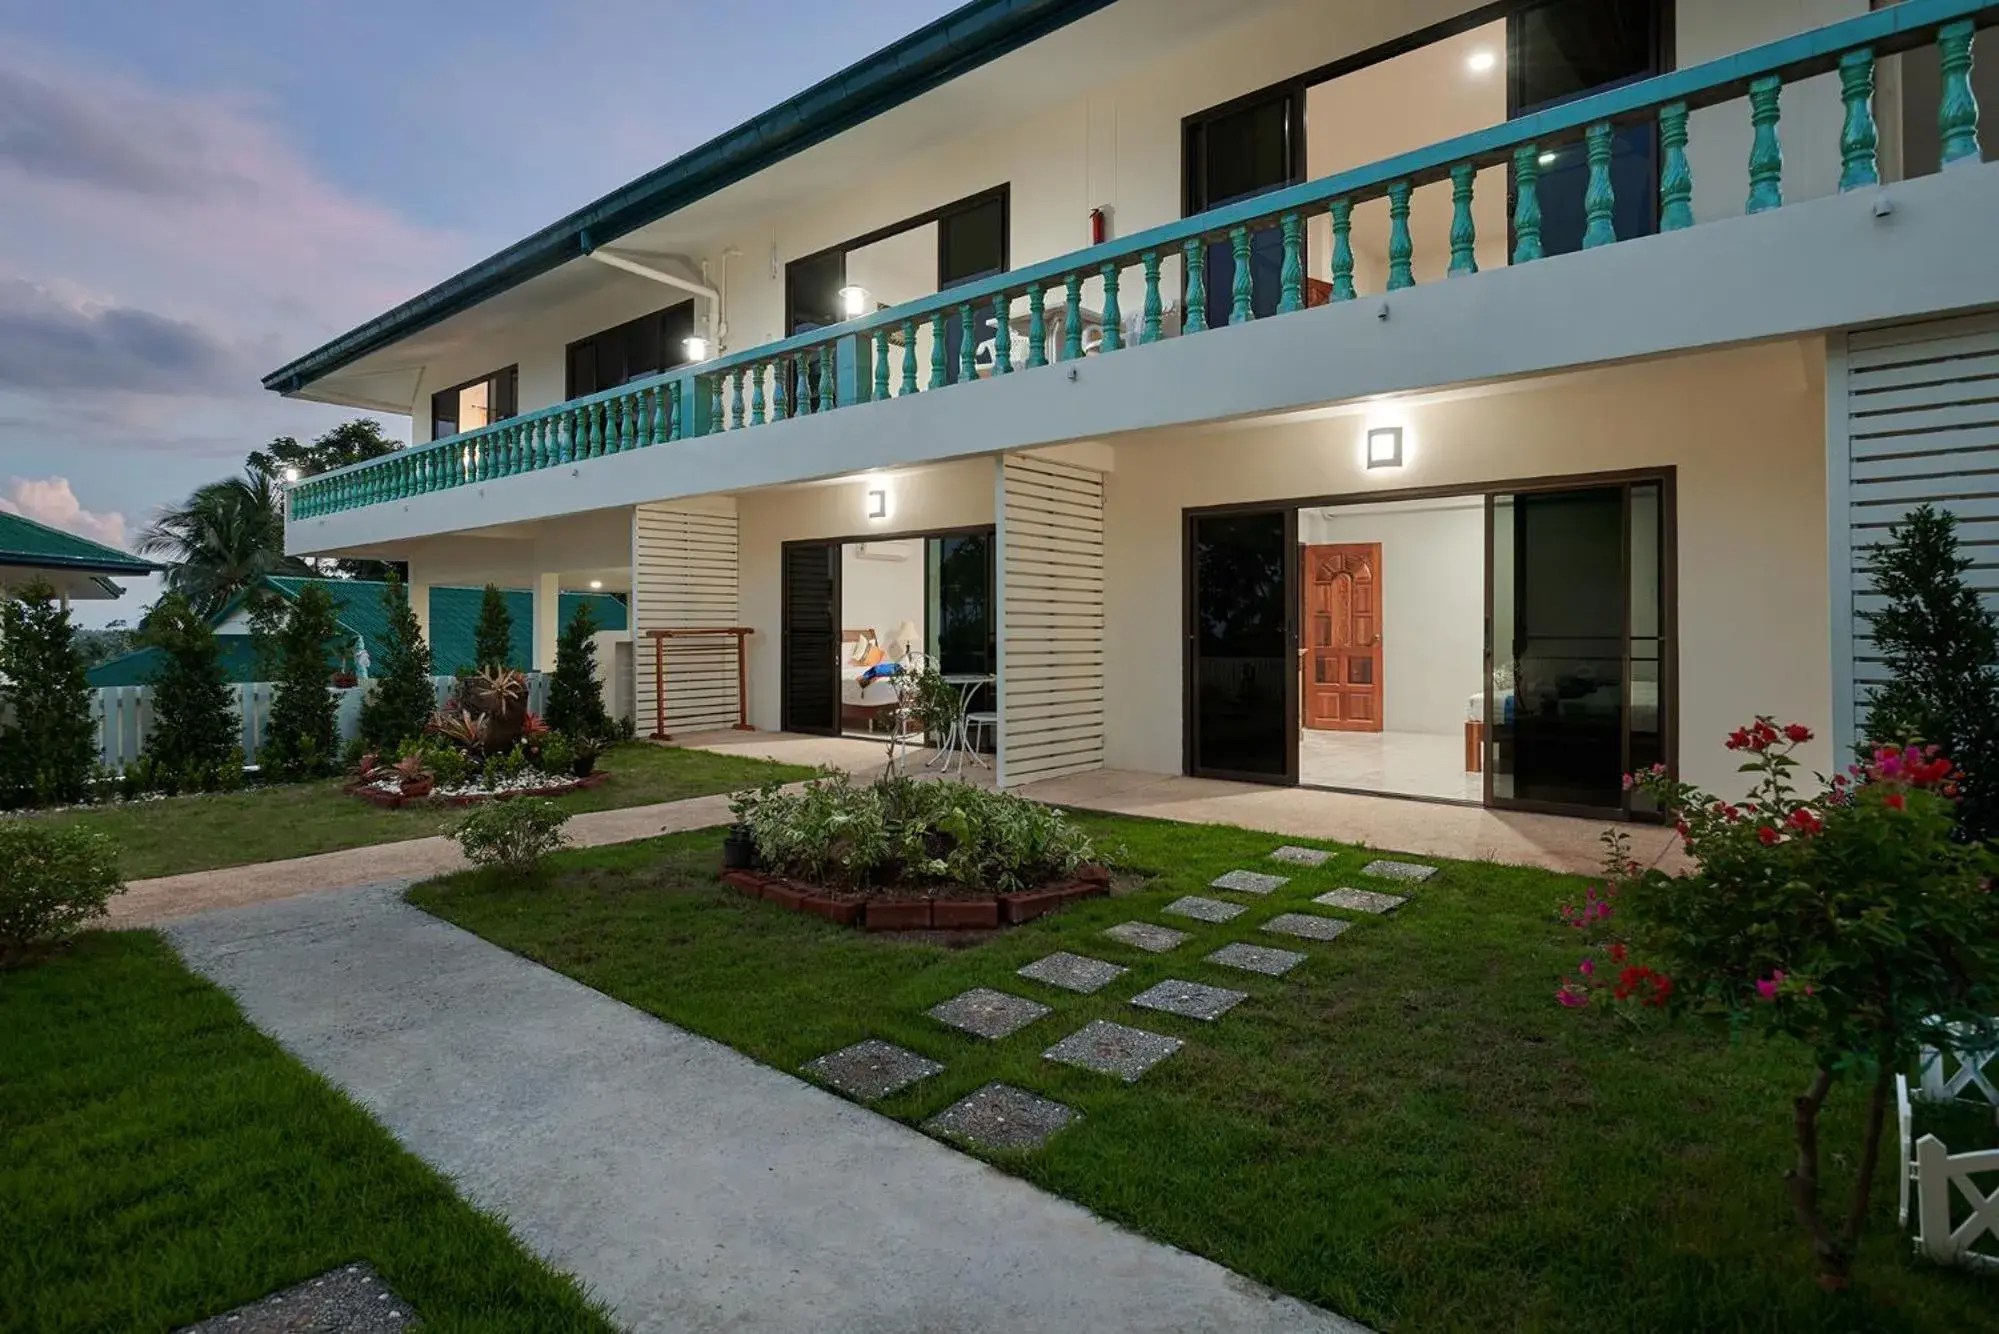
x=963, y=40
x=25, y=542
x=454, y=616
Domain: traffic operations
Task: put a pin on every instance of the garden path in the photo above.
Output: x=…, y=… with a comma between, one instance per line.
x=689, y=1187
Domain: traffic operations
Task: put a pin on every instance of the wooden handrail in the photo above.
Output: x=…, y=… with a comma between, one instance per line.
x=659, y=638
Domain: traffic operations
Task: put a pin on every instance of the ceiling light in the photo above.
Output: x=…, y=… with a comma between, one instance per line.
x=596, y=583
x=1481, y=62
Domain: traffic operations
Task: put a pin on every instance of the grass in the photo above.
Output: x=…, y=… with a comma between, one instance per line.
x=200, y=833
x=1406, y=1130
x=165, y=1162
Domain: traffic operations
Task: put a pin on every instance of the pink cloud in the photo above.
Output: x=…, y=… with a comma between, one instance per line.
x=50, y=500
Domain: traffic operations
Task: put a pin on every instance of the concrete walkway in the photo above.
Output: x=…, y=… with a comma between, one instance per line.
x=689, y=1187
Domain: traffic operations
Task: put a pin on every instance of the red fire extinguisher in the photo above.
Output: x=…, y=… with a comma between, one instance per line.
x=1099, y=225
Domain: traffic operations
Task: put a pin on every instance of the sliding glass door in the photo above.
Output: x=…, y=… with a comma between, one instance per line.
x=1578, y=653
x=1242, y=660
x=810, y=624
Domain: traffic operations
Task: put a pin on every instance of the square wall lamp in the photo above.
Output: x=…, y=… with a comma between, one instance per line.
x=1384, y=447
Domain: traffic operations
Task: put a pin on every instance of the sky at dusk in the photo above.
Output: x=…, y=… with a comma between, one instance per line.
x=194, y=192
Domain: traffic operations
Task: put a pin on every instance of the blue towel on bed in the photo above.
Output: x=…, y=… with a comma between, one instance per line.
x=880, y=671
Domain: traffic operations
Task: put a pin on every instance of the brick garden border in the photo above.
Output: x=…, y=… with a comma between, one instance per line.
x=396, y=800
x=920, y=914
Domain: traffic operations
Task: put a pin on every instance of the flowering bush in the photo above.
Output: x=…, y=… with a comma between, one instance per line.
x=1849, y=919
x=511, y=835
x=53, y=880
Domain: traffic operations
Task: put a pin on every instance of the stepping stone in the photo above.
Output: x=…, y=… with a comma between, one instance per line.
x=1113, y=1049
x=1190, y=999
x=352, y=1298
x=1308, y=925
x=1301, y=856
x=1248, y=882
x=871, y=1069
x=1146, y=936
x=1204, y=910
x=1000, y=1116
x=1399, y=870
x=1361, y=900
x=1257, y=959
x=986, y=1013
x=1072, y=972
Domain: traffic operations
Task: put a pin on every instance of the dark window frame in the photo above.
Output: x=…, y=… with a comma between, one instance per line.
x=673, y=357
x=509, y=375
x=1002, y=192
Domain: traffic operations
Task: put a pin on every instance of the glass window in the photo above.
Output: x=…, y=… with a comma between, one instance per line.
x=1243, y=151
x=631, y=351
x=961, y=604
x=1572, y=48
x=1244, y=674
x=971, y=243
x=474, y=404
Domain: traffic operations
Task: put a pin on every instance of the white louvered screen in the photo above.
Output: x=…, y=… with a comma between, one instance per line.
x=1921, y=426
x=684, y=573
x=1051, y=621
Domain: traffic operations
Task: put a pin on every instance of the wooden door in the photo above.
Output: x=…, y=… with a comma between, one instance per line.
x=1342, y=652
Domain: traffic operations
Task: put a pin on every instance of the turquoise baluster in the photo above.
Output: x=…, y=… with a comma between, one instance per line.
x=1072, y=317
x=662, y=412
x=1242, y=290
x=881, y=363
x=1148, y=329
x=1291, y=280
x=1957, y=109
x=1766, y=152
x=937, y=347
x=968, y=350
x=1527, y=208
x=1037, y=326
x=718, y=420
x=1599, y=197
x=1676, y=178
x=1002, y=334
x=1858, y=138
x=1113, y=340
x=757, y=396
x=1342, y=211
x=1401, y=249
x=540, y=455
x=736, y=403
x=1194, y=256
x=628, y=424
x=908, y=385
x=781, y=390
x=597, y=431
x=827, y=370
x=676, y=413
x=1464, y=228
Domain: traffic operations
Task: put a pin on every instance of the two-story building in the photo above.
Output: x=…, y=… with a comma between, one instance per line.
x=1470, y=402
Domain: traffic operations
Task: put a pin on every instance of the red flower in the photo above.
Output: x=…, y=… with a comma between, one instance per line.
x=1895, y=801
x=1618, y=953
x=1805, y=820
x=1798, y=732
x=1768, y=835
x=1738, y=739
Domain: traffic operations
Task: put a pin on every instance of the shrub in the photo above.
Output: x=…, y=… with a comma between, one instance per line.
x=493, y=636
x=507, y=765
x=194, y=720
x=302, y=735
x=403, y=696
x=555, y=755
x=52, y=880
x=575, y=699
x=49, y=748
x=451, y=766
x=1851, y=920
x=1941, y=648
x=511, y=835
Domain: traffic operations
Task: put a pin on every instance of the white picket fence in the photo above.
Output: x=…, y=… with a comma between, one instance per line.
x=124, y=714
x=1935, y=1180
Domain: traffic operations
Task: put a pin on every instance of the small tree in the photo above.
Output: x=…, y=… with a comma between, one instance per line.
x=1941, y=647
x=493, y=637
x=49, y=746
x=575, y=699
x=195, y=726
x=403, y=698
x=302, y=736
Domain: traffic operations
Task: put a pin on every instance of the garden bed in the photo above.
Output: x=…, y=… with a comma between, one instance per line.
x=951, y=908
x=392, y=797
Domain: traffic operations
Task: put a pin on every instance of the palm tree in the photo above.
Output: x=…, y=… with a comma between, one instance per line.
x=222, y=539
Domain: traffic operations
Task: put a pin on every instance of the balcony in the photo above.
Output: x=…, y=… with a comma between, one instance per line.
x=1109, y=304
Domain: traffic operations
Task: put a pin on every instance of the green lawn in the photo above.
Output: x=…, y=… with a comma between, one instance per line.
x=1407, y=1129
x=166, y=1162
x=297, y=819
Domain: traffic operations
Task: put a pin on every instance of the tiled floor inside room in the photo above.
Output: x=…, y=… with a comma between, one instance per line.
x=1405, y=764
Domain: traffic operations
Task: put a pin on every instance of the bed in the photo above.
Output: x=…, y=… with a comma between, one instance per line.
x=863, y=706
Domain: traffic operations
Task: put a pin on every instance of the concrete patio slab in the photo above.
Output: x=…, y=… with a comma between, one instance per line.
x=1113, y=1049
x=1147, y=936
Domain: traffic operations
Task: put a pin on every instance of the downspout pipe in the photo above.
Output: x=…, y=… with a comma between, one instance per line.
x=618, y=261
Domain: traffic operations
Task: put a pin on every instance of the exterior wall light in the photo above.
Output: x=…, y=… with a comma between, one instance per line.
x=696, y=348
x=1384, y=447
x=878, y=504
x=291, y=476
x=854, y=302
x=596, y=584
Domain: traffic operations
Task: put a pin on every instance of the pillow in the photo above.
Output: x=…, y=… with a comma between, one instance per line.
x=874, y=657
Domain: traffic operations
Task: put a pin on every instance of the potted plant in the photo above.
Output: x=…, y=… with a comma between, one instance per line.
x=415, y=778
x=584, y=751
x=739, y=847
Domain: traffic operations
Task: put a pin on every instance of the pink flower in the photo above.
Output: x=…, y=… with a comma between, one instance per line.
x=1586, y=968
x=1766, y=987
x=1570, y=999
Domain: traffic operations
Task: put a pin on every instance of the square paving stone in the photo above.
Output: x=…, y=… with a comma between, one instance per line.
x=1361, y=900
x=988, y=1013
x=1399, y=870
x=1298, y=856
x=1071, y=972
x=1146, y=936
x=1204, y=910
x=1113, y=1049
x=1000, y=1116
x=871, y=1069
x=1310, y=926
x=1191, y=999
x=349, y=1300
x=1257, y=959
x=1248, y=882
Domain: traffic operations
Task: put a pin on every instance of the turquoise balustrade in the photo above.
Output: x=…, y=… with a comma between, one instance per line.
x=852, y=363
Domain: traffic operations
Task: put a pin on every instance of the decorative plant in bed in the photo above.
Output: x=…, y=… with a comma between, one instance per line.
x=904, y=854
x=483, y=744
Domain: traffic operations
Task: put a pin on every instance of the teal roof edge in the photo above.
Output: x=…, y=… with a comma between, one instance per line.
x=966, y=38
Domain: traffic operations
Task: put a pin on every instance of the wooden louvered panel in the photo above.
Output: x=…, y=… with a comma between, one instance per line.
x=684, y=576
x=1051, y=595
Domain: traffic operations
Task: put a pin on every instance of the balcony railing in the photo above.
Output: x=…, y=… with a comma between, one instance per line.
x=876, y=357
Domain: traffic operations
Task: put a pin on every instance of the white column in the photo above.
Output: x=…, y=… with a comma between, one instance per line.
x=547, y=621
x=419, y=595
